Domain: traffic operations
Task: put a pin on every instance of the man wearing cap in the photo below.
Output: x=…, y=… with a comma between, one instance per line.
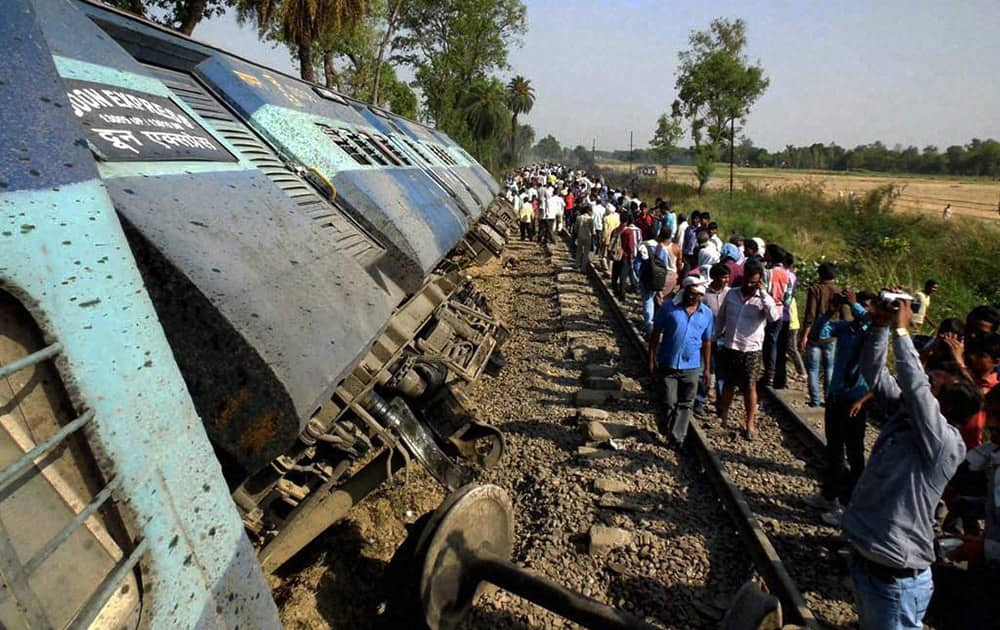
x=685, y=326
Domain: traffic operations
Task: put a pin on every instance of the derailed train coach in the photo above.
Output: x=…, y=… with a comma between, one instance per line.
x=231, y=305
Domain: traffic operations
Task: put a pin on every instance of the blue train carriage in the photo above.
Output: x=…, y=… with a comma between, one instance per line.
x=113, y=510
x=310, y=287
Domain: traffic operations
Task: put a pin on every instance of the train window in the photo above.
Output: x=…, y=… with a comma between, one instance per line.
x=389, y=149
x=418, y=151
x=443, y=155
x=348, y=143
x=329, y=95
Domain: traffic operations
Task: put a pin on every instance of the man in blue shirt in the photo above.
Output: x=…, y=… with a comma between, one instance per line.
x=846, y=412
x=680, y=346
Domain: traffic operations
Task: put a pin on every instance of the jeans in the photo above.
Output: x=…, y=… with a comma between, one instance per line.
x=780, y=380
x=649, y=308
x=714, y=382
x=771, y=333
x=900, y=603
x=679, y=389
x=633, y=276
x=815, y=355
x=843, y=434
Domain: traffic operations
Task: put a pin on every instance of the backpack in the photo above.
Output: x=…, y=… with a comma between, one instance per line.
x=654, y=272
x=615, y=250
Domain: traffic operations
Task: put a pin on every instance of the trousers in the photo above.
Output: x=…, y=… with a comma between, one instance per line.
x=582, y=254
x=616, y=279
x=679, y=389
x=818, y=355
x=780, y=380
x=844, y=434
x=897, y=604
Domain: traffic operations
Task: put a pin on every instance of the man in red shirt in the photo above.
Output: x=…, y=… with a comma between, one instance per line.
x=982, y=356
x=631, y=239
x=645, y=222
x=570, y=216
x=777, y=284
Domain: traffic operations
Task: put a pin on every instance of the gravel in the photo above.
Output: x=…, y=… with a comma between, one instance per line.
x=682, y=561
x=685, y=560
x=775, y=472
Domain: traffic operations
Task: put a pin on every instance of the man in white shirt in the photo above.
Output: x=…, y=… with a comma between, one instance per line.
x=681, y=229
x=554, y=206
x=597, y=214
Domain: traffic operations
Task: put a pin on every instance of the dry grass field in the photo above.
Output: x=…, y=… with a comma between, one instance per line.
x=924, y=194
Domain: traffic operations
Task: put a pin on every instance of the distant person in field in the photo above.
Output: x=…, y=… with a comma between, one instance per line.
x=946, y=213
x=922, y=304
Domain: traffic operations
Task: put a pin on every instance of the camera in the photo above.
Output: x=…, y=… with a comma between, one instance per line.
x=888, y=299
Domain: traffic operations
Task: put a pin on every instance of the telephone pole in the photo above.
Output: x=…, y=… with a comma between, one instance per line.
x=593, y=152
x=732, y=141
x=630, y=155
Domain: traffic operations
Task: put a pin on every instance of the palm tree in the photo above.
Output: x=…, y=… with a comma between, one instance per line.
x=485, y=109
x=520, y=100
x=301, y=22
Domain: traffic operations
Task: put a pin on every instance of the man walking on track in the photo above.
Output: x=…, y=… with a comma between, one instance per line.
x=740, y=331
x=584, y=234
x=680, y=349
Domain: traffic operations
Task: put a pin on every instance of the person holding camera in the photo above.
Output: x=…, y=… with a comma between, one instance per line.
x=890, y=519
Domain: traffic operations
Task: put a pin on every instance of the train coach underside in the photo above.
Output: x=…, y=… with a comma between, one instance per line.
x=405, y=396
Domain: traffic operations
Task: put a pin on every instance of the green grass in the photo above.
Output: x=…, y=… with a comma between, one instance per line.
x=873, y=246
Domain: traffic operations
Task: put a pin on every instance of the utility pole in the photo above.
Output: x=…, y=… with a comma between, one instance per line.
x=593, y=152
x=732, y=141
x=630, y=155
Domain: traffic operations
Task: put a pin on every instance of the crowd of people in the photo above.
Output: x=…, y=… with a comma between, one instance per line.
x=723, y=317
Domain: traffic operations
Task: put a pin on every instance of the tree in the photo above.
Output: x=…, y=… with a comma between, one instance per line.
x=486, y=112
x=300, y=23
x=525, y=138
x=394, y=10
x=520, y=100
x=704, y=165
x=583, y=158
x=180, y=15
x=664, y=142
x=548, y=148
x=349, y=56
x=452, y=43
x=717, y=84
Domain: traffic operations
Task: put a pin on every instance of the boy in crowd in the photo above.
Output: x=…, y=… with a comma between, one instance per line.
x=922, y=303
x=846, y=413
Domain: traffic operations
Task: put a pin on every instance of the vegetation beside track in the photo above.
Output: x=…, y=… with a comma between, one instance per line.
x=873, y=245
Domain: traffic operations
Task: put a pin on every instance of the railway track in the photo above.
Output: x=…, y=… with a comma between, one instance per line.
x=761, y=484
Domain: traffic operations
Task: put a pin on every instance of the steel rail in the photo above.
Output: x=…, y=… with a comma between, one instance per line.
x=764, y=555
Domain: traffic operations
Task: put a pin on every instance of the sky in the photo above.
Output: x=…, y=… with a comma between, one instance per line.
x=847, y=71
